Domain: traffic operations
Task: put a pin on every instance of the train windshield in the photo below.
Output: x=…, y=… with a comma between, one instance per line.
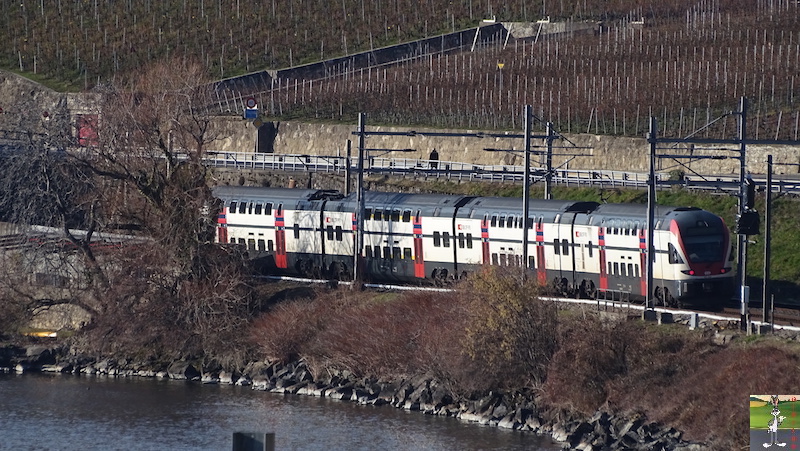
x=705, y=248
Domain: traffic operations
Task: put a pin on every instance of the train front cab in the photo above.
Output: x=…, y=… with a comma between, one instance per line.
x=695, y=258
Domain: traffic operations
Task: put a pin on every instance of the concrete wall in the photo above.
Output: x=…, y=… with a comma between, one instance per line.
x=602, y=152
x=28, y=109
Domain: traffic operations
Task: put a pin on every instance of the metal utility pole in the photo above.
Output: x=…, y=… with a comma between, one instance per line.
x=767, y=243
x=652, y=138
x=347, y=169
x=548, y=178
x=526, y=190
x=359, y=241
x=744, y=290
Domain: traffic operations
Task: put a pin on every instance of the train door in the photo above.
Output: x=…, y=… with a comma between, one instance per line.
x=585, y=260
x=563, y=251
x=280, y=238
x=580, y=235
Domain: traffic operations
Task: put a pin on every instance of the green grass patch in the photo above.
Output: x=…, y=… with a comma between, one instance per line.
x=760, y=416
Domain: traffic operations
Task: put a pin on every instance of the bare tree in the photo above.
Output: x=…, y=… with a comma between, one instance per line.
x=169, y=290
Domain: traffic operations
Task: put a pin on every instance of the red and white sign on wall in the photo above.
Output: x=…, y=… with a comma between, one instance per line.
x=86, y=130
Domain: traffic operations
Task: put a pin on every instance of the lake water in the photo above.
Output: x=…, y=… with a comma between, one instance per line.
x=67, y=412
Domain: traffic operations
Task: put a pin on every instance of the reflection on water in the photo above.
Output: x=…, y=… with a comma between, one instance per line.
x=43, y=411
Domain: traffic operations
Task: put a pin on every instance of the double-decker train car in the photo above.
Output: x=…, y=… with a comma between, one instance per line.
x=580, y=248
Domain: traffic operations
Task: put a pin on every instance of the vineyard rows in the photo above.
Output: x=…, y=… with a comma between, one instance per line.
x=683, y=61
x=686, y=74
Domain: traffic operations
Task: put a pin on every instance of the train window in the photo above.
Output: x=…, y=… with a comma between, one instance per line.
x=270, y=246
x=541, y=220
x=407, y=216
x=437, y=239
x=609, y=268
x=297, y=231
x=232, y=207
x=251, y=244
x=258, y=209
x=387, y=252
x=241, y=241
x=419, y=214
x=502, y=222
x=262, y=245
x=519, y=260
x=446, y=239
x=339, y=233
x=469, y=241
x=395, y=215
x=494, y=259
x=674, y=257
x=250, y=208
x=565, y=247
x=503, y=260
x=377, y=215
x=556, y=247
x=242, y=207
x=623, y=273
x=616, y=268
x=530, y=223
x=396, y=254
x=233, y=240
x=329, y=231
x=406, y=253
x=461, y=241
x=531, y=262
x=279, y=211
x=387, y=214
x=494, y=221
x=367, y=214
x=511, y=222
x=368, y=251
x=636, y=270
x=377, y=252
x=630, y=270
x=268, y=208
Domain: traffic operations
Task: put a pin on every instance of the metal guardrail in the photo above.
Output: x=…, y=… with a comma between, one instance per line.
x=454, y=170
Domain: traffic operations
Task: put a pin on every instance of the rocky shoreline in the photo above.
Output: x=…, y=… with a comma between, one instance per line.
x=518, y=411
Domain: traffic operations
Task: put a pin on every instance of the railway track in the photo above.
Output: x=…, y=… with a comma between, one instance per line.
x=783, y=316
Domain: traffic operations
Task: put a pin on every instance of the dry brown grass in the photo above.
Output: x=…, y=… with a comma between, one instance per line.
x=668, y=373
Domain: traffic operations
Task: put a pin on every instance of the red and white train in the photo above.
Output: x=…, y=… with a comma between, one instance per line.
x=583, y=248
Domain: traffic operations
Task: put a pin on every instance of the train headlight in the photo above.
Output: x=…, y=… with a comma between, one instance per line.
x=688, y=272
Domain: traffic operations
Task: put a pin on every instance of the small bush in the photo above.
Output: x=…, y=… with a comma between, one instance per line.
x=511, y=332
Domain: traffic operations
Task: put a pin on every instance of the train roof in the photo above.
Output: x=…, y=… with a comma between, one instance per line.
x=376, y=198
x=639, y=210
x=287, y=195
x=491, y=205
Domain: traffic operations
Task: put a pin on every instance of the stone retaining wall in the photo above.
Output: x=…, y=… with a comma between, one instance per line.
x=599, y=152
